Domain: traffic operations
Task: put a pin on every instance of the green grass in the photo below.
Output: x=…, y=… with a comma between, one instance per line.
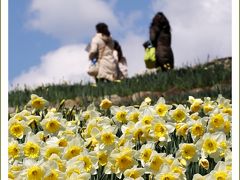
x=215, y=75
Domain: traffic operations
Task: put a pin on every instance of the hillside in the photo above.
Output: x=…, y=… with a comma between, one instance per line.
x=209, y=79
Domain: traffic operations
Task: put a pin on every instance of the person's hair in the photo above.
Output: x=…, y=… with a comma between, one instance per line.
x=103, y=29
x=161, y=20
x=118, y=48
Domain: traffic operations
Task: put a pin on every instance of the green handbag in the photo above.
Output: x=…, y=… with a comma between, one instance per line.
x=150, y=57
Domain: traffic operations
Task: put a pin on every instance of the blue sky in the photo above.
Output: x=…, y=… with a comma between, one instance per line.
x=47, y=38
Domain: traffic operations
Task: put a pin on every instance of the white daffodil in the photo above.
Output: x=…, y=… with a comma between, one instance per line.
x=52, y=170
x=89, y=161
x=198, y=128
x=165, y=172
x=17, y=129
x=188, y=151
x=134, y=173
x=33, y=170
x=37, y=102
x=133, y=114
x=160, y=131
x=53, y=125
x=155, y=163
x=196, y=104
x=220, y=171
x=199, y=177
x=15, y=169
x=119, y=114
x=14, y=150
x=121, y=159
x=216, y=122
x=73, y=148
x=180, y=114
x=51, y=147
x=209, y=144
x=162, y=108
x=145, y=152
x=107, y=137
x=90, y=113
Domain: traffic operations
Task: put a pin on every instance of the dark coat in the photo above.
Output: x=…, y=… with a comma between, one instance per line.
x=161, y=40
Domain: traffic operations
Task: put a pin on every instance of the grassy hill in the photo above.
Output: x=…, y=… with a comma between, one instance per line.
x=209, y=79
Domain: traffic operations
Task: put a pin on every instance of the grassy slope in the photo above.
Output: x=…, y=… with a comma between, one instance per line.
x=209, y=79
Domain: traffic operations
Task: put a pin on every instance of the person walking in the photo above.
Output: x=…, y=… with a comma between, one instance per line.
x=160, y=38
x=101, y=48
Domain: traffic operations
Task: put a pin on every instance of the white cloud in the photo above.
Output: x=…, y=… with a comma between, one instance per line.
x=134, y=52
x=66, y=64
x=199, y=28
x=70, y=20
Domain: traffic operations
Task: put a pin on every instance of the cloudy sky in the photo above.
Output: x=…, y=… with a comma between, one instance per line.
x=47, y=38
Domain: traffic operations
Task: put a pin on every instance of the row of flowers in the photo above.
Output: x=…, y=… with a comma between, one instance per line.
x=150, y=141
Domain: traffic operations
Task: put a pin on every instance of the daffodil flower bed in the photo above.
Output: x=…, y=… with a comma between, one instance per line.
x=149, y=141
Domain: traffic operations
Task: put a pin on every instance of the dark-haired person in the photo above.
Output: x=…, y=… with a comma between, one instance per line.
x=101, y=48
x=121, y=60
x=160, y=37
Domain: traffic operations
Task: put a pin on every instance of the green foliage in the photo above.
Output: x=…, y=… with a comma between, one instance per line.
x=213, y=78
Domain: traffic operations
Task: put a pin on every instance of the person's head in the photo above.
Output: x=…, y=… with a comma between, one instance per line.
x=161, y=20
x=103, y=29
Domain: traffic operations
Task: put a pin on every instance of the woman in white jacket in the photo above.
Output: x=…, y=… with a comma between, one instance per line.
x=101, y=48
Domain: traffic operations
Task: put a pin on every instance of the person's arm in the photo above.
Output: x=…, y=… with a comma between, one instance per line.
x=93, y=52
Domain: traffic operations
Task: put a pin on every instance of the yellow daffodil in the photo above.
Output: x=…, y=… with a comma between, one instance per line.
x=105, y=104
x=37, y=102
x=134, y=173
x=17, y=129
x=179, y=114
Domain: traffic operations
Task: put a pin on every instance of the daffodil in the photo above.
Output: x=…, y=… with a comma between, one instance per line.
x=179, y=114
x=52, y=171
x=37, y=102
x=33, y=170
x=198, y=128
x=208, y=105
x=165, y=172
x=204, y=163
x=31, y=150
x=90, y=113
x=216, y=122
x=14, y=150
x=120, y=114
x=155, y=162
x=53, y=125
x=17, y=129
x=220, y=171
x=145, y=153
x=188, y=151
x=177, y=168
x=199, y=177
x=73, y=167
x=74, y=148
x=196, y=104
x=51, y=148
x=122, y=159
x=102, y=157
x=160, y=131
x=133, y=114
x=210, y=145
x=134, y=173
x=81, y=176
x=161, y=107
x=182, y=129
x=89, y=161
x=105, y=104
x=106, y=138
